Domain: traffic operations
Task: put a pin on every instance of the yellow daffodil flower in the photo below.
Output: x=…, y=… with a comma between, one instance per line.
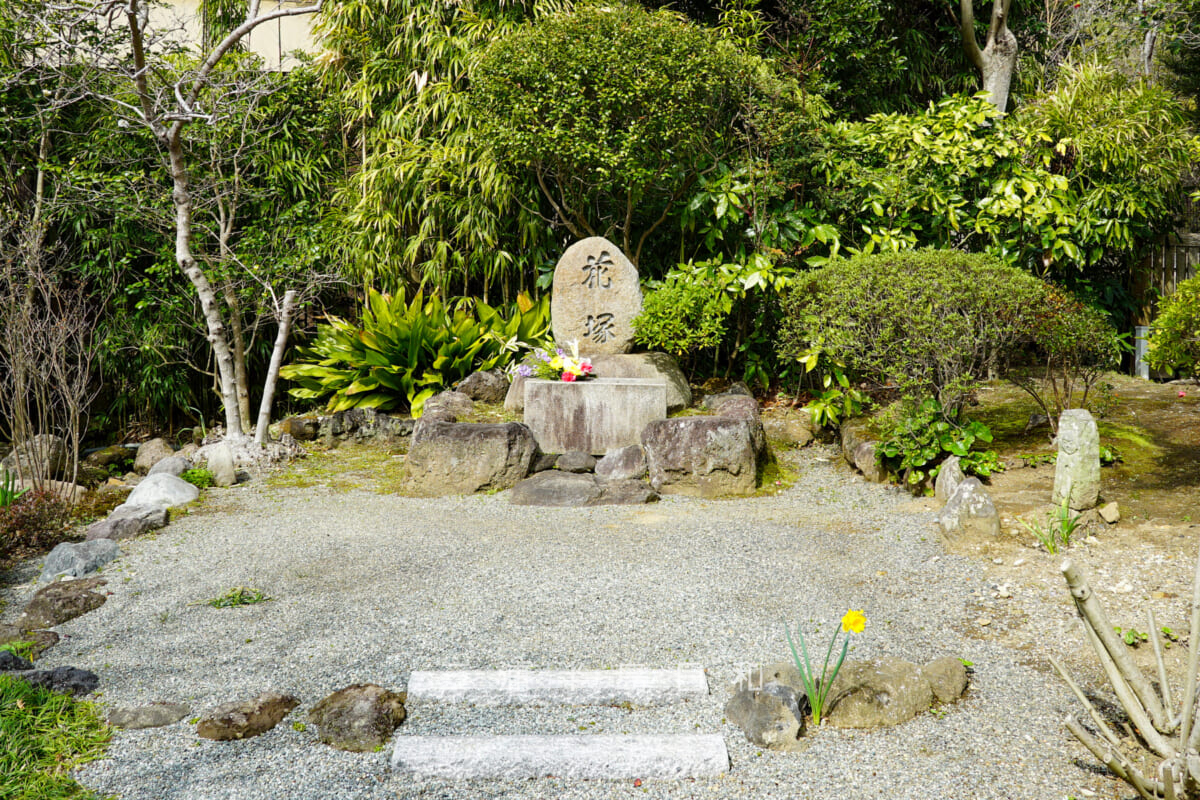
x=854, y=622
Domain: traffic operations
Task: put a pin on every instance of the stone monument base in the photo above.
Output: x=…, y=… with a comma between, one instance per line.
x=592, y=416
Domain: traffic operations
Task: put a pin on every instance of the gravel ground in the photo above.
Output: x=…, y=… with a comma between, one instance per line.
x=368, y=587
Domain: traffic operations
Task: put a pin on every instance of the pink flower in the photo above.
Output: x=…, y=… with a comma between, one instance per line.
x=1182, y=393
x=586, y=366
x=568, y=376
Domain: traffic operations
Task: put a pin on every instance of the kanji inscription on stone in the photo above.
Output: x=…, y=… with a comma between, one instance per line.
x=595, y=297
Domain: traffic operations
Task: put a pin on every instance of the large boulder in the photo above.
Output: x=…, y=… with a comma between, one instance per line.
x=65, y=600
x=624, y=463
x=769, y=708
x=105, y=457
x=732, y=404
x=970, y=511
x=244, y=719
x=879, y=693
x=126, y=522
x=485, y=386
x=449, y=458
x=866, y=458
x=44, y=456
x=359, y=718
x=704, y=456
x=76, y=560
x=659, y=366
x=161, y=491
x=10, y=661
x=1077, y=467
x=302, y=428
x=150, y=453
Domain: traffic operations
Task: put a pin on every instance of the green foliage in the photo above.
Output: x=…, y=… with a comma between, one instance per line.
x=199, y=477
x=1175, y=337
x=1131, y=636
x=1067, y=185
x=1057, y=530
x=8, y=488
x=616, y=110
x=683, y=316
x=238, y=596
x=38, y=518
x=928, y=323
x=20, y=648
x=45, y=735
x=429, y=202
x=920, y=437
x=405, y=352
x=1075, y=344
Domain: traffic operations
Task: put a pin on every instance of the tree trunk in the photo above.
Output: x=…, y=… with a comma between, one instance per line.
x=239, y=355
x=208, y=298
x=997, y=60
x=285, y=324
x=999, y=63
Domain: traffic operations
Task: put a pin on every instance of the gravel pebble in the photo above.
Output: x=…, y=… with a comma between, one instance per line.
x=368, y=587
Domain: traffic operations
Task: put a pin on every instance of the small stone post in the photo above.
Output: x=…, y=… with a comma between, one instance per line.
x=1077, y=471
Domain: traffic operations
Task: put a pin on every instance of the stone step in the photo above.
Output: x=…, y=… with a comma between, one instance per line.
x=506, y=687
x=581, y=757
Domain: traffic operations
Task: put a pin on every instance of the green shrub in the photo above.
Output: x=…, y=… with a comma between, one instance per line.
x=38, y=518
x=8, y=488
x=199, y=477
x=45, y=736
x=1075, y=345
x=929, y=323
x=1175, y=340
x=404, y=353
x=920, y=437
x=682, y=317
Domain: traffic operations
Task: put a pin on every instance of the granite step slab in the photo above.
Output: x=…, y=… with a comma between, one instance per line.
x=573, y=757
x=640, y=687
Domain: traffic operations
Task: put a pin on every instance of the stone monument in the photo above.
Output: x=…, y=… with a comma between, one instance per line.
x=595, y=296
x=1077, y=468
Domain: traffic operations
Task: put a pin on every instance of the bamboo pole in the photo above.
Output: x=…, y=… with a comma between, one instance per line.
x=1164, y=687
x=1186, y=734
x=1093, y=613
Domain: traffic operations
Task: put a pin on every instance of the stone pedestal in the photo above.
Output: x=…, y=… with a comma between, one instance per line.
x=592, y=416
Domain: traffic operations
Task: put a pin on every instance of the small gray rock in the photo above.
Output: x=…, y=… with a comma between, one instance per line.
x=242, y=720
x=514, y=399
x=456, y=403
x=302, y=429
x=153, y=715
x=172, y=465
x=486, y=386
x=359, y=718
x=220, y=464
x=949, y=476
x=866, y=458
x=576, y=461
x=64, y=680
x=878, y=693
x=769, y=708
x=1110, y=513
x=542, y=462
x=556, y=488
x=61, y=601
x=947, y=677
x=625, y=493
x=793, y=428
x=150, y=453
x=161, y=491
x=625, y=463
x=126, y=522
x=77, y=560
x=970, y=511
x=11, y=661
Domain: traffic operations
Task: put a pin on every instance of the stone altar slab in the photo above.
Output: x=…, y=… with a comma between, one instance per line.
x=592, y=416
